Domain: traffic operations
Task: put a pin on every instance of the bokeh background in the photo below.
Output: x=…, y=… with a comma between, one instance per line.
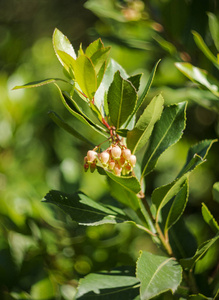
x=43, y=253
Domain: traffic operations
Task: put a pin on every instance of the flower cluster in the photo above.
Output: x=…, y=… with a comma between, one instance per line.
x=117, y=159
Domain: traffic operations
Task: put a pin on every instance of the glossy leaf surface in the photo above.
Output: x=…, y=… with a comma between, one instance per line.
x=199, y=76
x=119, y=284
x=157, y=274
x=144, y=93
x=38, y=83
x=130, y=183
x=178, y=206
x=84, y=210
x=62, y=43
x=140, y=134
x=209, y=219
x=167, y=131
x=121, y=98
x=85, y=76
x=189, y=263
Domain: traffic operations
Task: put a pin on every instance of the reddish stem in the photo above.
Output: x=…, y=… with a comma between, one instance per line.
x=106, y=124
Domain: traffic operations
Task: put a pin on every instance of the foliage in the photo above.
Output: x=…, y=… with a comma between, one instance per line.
x=114, y=118
x=43, y=253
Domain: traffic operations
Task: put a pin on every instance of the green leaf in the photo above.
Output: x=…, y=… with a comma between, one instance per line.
x=122, y=195
x=188, y=263
x=203, y=47
x=138, y=137
x=88, y=111
x=99, y=58
x=144, y=94
x=90, y=129
x=162, y=195
x=167, y=131
x=85, y=76
x=216, y=191
x=111, y=69
x=182, y=241
x=101, y=74
x=199, y=76
x=135, y=80
x=84, y=210
x=214, y=28
x=196, y=155
x=209, y=219
x=122, y=132
x=122, y=98
x=199, y=297
x=61, y=43
x=68, y=61
x=178, y=206
x=157, y=274
x=117, y=284
x=130, y=183
x=39, y=83
x=66, y=127
x=94, y=47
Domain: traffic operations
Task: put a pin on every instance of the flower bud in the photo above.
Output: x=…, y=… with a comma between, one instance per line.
x=104, y=157
x=116, y=152
x=111, y=165
x=132, y=160
x=92, y=167
x=117, y=170
x=126, y=153
x=91, y=156
x=122, y=161
x=86, y=167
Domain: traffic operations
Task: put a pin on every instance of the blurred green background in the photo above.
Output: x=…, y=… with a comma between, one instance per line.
x=42, y=252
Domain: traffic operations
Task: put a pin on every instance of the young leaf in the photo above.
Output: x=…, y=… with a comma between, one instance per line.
x=84, y=210
x=38, y=83
x=188, y=263
x=68, y=61
x=61, y=43
x=178, y=206
x=200, y=77
x=78, y=114
x=203, y=47
x=67, y=127
x=157, y=274
x=88, y=130
x=137, y=137
x=209, y=219
x=99, y=58
x=117, y=284
x=94, y=47
x=85, y=76
x=167, y=131
x=216, y=191
x=121, y=98
x=80, y=106
x=144, y=94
